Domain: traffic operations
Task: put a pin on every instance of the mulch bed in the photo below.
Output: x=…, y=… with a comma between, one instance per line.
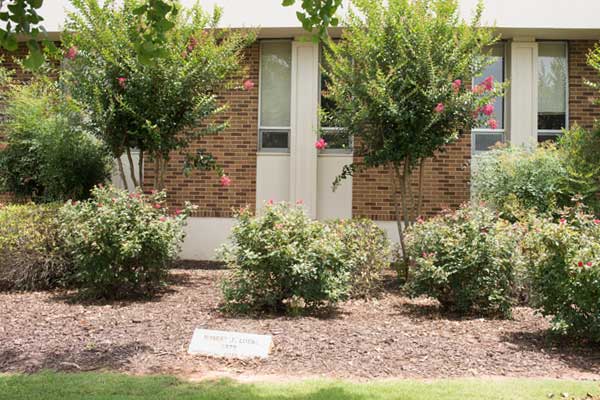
x=391, y=337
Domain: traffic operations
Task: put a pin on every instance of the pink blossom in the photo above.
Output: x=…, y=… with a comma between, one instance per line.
x=424, y=255
x=580, y=264
x=248, y=84
x=320, y=144
x=597, y=221
x=478, y=89
x=122, y=80
x=420, y=220
x=225, y=181
x=270, y=202
x=153, y=191
x=299, y=202
x=157, y=206
x=488, y=109
x=589, y=264
x=278, y=226
x=114, y=200
x=178, y=211
x=71, y=53
x=562, y=221
x=456, y=85
x=488, y=83
x=100, y=205
x=440, y=108
x=100, y=186
x=163, y=218
x=493, y=124
x=192, y=43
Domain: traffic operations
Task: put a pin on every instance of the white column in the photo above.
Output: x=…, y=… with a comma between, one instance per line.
x=523, y=92
x=304, y=118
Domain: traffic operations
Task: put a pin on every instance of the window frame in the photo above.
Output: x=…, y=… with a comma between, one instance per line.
x=554, y=132
x=262, y=129
x=488, y=131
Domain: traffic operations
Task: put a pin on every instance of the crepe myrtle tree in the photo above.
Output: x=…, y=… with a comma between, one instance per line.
x=159, y=107
x=399, y=80
x=317, y=14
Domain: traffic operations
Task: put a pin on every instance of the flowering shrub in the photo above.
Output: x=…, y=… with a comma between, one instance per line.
x=464, y=260
x=30, y=253
x=121, y=243
x=366, y=252
x=512, y=179
x=564, y=262
x=282, y=260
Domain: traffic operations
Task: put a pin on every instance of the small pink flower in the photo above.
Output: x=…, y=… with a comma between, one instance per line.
x=178, y=211
x=440, y=108
x=488, y=83
x=100, y=186
x=157, y=206
x=478, y=89
x=580, y=264
x=424, y=255
x=163, y=218
x=122, y=81
x=153, y=191
x=456, y=85
x=493, y=124
x=100, y=205
x=114, y=200
x=320, y=144
x=278, y=226
x=562, y=221
x=589, y=264
x=225, y=181
x=420, y=220
x=597, y=222
x=71, y=53
x=270, y=202
x=248, y=84
x=192, y=43
x=488, y=109
x=299, y=202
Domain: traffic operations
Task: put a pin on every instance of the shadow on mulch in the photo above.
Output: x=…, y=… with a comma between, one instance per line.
x=91, y=358
x=173, y=282
x=200, y=265
x=583, y=356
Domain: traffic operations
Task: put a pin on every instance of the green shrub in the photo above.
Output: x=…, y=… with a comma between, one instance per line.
x=49, y=155
x=30, y=252
x=366, y=252
x=121, y=243
x=464, y=260
x=579, y=149
x=514, y=178
x=564, y=262
x=282, y=260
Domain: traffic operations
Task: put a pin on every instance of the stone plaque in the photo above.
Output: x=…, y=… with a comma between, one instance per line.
x=230, y=344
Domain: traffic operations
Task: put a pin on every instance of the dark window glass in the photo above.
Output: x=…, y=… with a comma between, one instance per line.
x=274, y=140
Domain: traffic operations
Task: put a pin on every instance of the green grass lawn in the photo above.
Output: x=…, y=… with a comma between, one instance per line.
x=52, y=386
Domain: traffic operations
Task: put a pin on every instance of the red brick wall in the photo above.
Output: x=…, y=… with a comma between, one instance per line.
x=235, y=150
x=446, y=185
x=581, y=108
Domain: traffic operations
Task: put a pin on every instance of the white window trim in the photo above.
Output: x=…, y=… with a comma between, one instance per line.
x=557, y=132
x=261, y=128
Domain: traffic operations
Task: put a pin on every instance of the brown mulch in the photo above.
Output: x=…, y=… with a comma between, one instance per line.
x=390, y=337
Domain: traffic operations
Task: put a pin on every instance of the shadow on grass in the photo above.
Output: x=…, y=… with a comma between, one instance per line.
x=52, y=386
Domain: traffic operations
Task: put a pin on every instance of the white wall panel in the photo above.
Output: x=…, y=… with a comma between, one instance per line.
x=332, y=204
x=272, y=178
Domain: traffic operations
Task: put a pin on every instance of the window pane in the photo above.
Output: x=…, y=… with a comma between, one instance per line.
x=274, y=139
x=336, y=141
x=327, y=105
x=483, y=141
x=496, y=69
x=552, y=86
x=275, y=84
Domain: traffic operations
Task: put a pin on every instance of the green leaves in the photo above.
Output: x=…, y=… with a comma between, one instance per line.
x=317, y=14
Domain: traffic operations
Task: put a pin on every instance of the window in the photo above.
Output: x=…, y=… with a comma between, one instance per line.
x=275, y=95
x=483, y=138
x=552, y=89
x=336, y=142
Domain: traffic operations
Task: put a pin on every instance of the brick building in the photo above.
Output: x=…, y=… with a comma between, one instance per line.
x=268, y=149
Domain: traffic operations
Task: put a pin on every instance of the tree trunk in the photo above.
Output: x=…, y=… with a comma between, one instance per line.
x=397, y=178
x=156, y=171
x=420, y=192
x=132, y=169
x=122, y=174
x=141, y=169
